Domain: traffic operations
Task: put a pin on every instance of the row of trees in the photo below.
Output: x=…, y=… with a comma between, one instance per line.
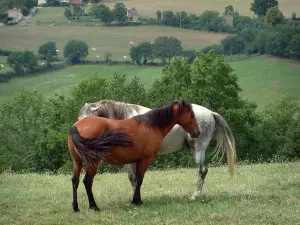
x=163, y=48
x=27, y=62
x=278, y=41
x=34, y=135
x=102, y=12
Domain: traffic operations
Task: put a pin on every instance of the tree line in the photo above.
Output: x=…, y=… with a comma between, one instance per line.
x=33, y=129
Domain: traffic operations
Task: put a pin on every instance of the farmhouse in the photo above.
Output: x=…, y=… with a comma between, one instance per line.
x=14, y=15
x=132, y=14
x=41, y=2
x=228, y=20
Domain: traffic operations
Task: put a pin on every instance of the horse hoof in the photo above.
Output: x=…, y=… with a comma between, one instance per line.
x=76, y=209
x=95, y=208
x=137, y=202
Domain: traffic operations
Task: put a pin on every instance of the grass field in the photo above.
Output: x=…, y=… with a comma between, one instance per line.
x=257, y=194
x=62, y=81
x=148, y=8
x=263, y=79
x=104, y=39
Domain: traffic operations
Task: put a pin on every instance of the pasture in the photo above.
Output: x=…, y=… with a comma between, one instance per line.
x=104, y=39
x=257, y=194
x=148, y=8
x=262, y=78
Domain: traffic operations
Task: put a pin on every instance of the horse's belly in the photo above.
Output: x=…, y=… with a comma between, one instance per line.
x=173, y=141
x=122, y=155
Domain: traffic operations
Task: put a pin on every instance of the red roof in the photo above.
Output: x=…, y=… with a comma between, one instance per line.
x=76, y=2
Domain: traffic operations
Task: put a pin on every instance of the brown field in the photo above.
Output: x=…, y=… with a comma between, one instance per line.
x=104, y=39
x=149, y=7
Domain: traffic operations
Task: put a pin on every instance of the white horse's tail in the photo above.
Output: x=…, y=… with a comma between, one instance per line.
x=225, y=142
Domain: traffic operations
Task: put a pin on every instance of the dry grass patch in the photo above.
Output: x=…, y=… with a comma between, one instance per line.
x=149, y=7
x=104, y=39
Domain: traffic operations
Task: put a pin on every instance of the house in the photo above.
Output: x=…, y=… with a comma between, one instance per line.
x=132, y=14
x=228, y=20
x=41, y=2
x=14, y=15
x=75, y=6
x=76, y=2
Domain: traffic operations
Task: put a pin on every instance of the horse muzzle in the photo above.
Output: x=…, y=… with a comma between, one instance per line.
x=195, y=134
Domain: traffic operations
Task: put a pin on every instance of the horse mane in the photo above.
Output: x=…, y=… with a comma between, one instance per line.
x=105, y=108
x=162, y=116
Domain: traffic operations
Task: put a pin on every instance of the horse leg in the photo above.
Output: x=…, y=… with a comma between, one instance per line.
x=75, y=183
x=141, y=168
x=131, y=170
x=91, y=170
x=200, y=148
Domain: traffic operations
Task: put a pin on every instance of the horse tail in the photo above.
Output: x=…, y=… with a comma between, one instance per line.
x=225, y=141
x=92, y=148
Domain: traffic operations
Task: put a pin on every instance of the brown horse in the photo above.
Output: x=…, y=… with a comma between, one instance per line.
x=135, y=140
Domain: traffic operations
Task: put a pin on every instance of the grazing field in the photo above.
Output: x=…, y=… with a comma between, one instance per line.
x=61, y=81
x=149, y=8
x=104, y=39
x=257, y=194
x=263, y=79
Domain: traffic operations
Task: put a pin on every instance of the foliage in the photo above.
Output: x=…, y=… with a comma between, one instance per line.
x=68, y=13
x=107, y=57
x=274, y=16
x=53, y=2
x=233, y=45
x=120, y=12
x=167, y=47
x=229, y=10
x=29, y=4
x=48, y=52
x=158, y=14
x=25, y=11
x=260, y=7
x=22, y=61
x=142, y=53
x=75, y=51
x=293, y=48
x=102, y=12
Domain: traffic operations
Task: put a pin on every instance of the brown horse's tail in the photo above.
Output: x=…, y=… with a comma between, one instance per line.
x=92, y=148
x=225, y=141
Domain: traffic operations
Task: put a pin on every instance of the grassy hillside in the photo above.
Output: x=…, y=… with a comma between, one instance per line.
x=148, y=8
x=257, y=194
x=262, y=78
x=104, y=39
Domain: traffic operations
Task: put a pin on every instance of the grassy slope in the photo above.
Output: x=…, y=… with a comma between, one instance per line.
x=258, y=194
x=262, y=78
x=265, y=79
x=62, y=81
x=104, y=39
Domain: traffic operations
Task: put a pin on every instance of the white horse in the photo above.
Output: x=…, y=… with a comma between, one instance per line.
x=177, y=138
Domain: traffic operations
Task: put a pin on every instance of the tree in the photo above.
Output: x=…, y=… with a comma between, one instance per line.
x=102, y=12
x=25, y=11
x=165, y=48
x=15, y=61
x=48, y=52
x=29, y=4
x=21, y=62
x=274, y=16
x=260, y=7
x=75, y=51
x=293, y=48
x=142, y=53
x=294, y=16
x=68, y=13
x=229, y=10
x=169, y=18
x=107, y=57
x=233, y=45
x=120, y=12
x=158, y=14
